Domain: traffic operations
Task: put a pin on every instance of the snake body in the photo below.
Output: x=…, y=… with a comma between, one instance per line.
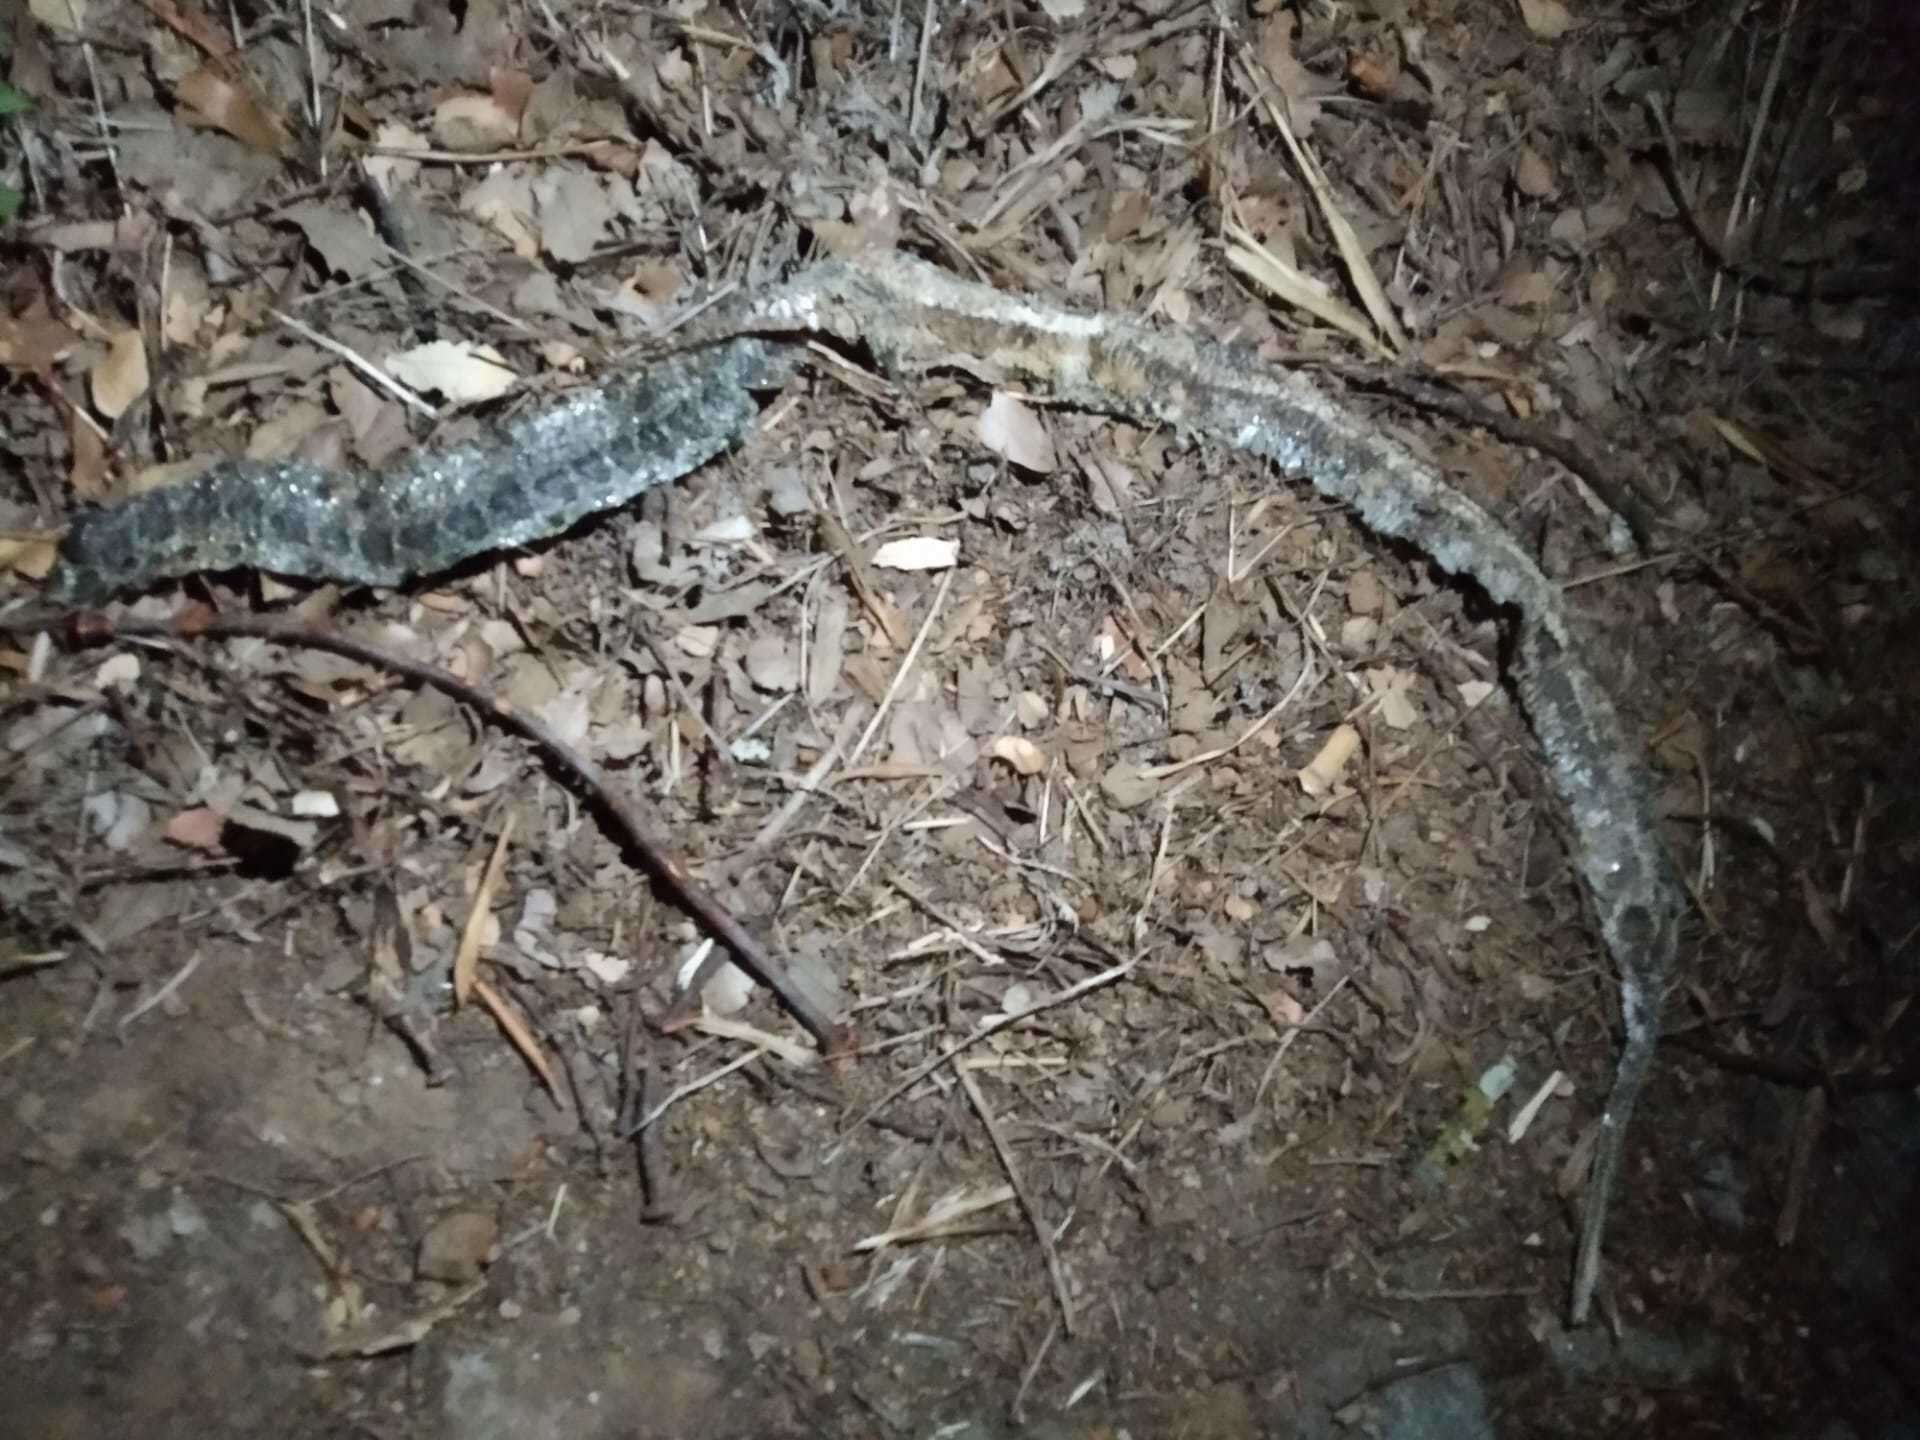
x=594, y=450
x=603, y=447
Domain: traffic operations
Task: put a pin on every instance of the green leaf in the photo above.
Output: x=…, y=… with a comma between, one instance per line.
x=9, y=204
x=12, y=102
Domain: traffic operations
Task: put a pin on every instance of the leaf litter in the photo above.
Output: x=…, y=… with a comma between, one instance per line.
x=1257, y=890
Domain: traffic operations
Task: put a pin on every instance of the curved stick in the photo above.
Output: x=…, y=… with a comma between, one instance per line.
x=197, y=622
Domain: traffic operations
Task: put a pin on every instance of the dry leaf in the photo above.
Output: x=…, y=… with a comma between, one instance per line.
x=1548, y=19
x=727, y=530
x=1012, y=428
x=575, y=212
x=474, y=123
x=457, y=1247
x=1474, y=693
x=1365, y=594
x=773, y=664
x=1682, y=744
x=69, y=17
x=1282, y=1008
x=727, y=992
x=300, y=834
x=731, y=604
x=342, y=239
x=118, y=671
x=292, y=429
x=1022, y=754
x=1353, y=250
x=28, y=554
x=120, y=377
x=699, y=641
x=504, y=200
x=829, y=646
x=463, y=372
x=1300, y=86
x=569, y=713
x=1111, y=483
x=1532, y=175
x=33, y=341
x=1128, y=786
x=1522, y=285
x=1260, y=264
x=1394, y=689
x=394, y=172
x=87, y=459
x=197, y=829
x=382, y=1336
x=919, y=552
x=946, y=1213
x=1374, y=73
x=121, y=819
x=234, y=108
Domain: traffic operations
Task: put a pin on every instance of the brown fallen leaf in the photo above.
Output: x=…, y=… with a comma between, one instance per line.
x=1547, y=19
x=233, y=107
x=384, y=1337
x=28, y=552
x=120, y=376
x=1022, y=754
x=197, y=829
x=34, y=341
x=474, y=123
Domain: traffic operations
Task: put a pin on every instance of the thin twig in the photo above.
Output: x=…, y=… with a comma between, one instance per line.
x=1018, y=1412
x=199, y=623
x=374, y=374
x=160, y=995
x=739, y=1062
x=1763, y=116
x=904, y=669
x=992, y=1027
x=777, y=825
x=1034, y=1218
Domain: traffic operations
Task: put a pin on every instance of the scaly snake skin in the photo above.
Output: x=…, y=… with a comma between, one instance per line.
x=601, y=448
x=592, y=451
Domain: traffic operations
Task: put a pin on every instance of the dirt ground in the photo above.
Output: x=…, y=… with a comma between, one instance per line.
x=1226, y=1030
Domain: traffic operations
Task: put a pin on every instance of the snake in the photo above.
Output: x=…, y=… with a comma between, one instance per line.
x=601, y=446
x=594, y=449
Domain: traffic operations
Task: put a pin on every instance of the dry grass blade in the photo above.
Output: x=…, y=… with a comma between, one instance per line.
x=1207, y=757
x=1055, y=1273
x=721, y=1028
x=992, y=1027
x=1768, y=91
x=383, y=1337
x=516, y=1030
x=466, y=960
x=692, y=1087
x=942, y=1220
x=1352, y=252
x=1288, y=285
x=904, y=669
